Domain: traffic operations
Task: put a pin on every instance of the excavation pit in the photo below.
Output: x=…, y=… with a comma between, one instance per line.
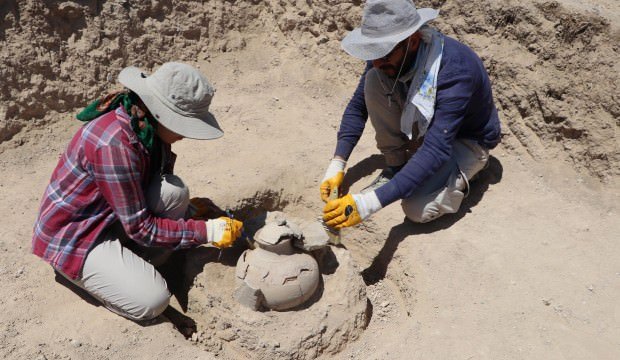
x=335, y=314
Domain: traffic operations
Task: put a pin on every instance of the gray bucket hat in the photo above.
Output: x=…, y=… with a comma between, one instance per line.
x=385, y=23
x=178, y=96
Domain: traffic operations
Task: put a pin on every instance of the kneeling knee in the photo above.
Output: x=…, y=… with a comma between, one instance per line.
x=149, y=307
x=419, y=213
x=168, y=198
x=420, y=218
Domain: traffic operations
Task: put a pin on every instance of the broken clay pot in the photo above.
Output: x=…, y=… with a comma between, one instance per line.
x=275, y=275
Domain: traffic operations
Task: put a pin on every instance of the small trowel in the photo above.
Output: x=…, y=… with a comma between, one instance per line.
x=334, y=234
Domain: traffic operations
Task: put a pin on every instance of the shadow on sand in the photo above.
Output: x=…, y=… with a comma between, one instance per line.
x=179, y=276
x=378, y=268
x=184, y=324
x=360, y=170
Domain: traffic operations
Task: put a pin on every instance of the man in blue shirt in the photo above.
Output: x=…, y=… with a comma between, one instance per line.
x=429, y=99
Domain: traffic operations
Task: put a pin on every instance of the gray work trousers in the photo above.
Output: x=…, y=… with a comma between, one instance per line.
x=124, y=281
x=445, y=190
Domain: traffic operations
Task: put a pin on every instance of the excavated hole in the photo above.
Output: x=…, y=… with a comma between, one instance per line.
x=261, y=203
x=335, y=315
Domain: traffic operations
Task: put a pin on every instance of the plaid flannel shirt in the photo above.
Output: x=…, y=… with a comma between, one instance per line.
x=100, y=179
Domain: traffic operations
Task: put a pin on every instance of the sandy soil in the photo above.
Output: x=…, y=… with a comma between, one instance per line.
x=528, y=269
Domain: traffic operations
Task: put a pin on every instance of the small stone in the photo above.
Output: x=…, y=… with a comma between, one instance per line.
x=76, y=343
x=227, y=335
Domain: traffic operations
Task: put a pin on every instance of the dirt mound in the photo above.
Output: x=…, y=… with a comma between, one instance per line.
x=57, y=55
x=555, y=77
x=554, y=71
x=337, y=315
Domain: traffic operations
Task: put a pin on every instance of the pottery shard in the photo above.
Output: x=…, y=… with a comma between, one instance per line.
x=271, y=233
x=314, y=237
x=277, y=217
x=248, y=296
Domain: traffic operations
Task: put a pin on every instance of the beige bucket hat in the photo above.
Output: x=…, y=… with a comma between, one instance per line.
x=385, y=23
x=178, y=96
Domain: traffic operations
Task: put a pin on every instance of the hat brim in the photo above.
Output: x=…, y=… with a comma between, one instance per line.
x=201, y=127
x=365, y=47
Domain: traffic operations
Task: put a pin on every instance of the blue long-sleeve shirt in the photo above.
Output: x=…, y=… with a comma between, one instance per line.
x=464, y=109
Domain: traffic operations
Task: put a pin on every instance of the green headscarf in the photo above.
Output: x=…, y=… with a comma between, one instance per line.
x=140, y=123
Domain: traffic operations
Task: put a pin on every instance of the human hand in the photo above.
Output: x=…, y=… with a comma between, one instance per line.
x=333, y=178
x=350, y=210
x=341, y=212
x=223, y=231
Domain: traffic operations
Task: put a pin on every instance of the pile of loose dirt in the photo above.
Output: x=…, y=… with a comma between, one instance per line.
x=57, y=55
x=554, y=70
x=555, y=77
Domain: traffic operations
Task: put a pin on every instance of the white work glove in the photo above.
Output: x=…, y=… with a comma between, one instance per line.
x=334, y=175
x=222, y=232
x=367, y=204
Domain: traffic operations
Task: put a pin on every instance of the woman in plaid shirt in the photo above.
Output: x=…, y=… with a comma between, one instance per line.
x=114, y=185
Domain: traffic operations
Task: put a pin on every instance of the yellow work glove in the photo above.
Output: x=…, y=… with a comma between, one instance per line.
x=333, y=178
x=341, y=212
x=350, y=210
x=222, y=232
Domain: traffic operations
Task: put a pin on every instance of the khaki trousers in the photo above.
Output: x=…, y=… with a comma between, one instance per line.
x=445, y=190
x=125, y=281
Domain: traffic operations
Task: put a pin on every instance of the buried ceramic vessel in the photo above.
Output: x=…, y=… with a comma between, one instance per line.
x=275, y=275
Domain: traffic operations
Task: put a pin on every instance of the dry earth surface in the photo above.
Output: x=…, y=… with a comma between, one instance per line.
x=528, y=269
